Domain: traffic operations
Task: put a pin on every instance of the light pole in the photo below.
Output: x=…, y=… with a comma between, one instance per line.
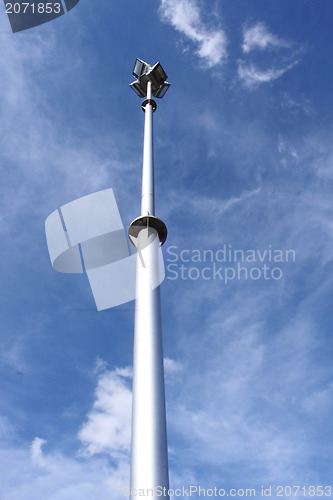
x=149, y=455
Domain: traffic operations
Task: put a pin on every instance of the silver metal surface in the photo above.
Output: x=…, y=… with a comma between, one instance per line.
x=147, y=196
x=149, y=455
x=149, y=458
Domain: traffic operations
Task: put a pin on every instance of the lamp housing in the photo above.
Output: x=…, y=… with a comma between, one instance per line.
x=154, y=74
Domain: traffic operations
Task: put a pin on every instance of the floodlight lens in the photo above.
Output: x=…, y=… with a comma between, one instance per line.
x=137, y=89
x=139, y=68
x=162, y=90
x=159, y=72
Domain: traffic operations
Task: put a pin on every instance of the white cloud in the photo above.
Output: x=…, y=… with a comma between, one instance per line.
x=218, y=206
x=249, y=397
x=36, y=449
x=185, y=17
x=313, y=152
x=288, y=152
x=58, y=477
x=241, y=402
x=299, y=104
x=108, y=427
x=320, y=153
x=172, y=367
x=258, y=37
x=53, y=159
x=252, y=76
x=100, y=366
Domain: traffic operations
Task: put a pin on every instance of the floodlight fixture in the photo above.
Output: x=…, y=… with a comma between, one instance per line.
x=140, y=67
x=153, y=74
x=138, y=88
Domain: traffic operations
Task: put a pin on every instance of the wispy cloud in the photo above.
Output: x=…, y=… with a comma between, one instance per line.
x=245, y=379
x=249, y=386
x=51, y=474
x=252, y=76
x=172, y=367
x=217, y=206
x=36, y=450
x=185, y=17
x=313, y=152
x=254, y=71
x=259, y=37
x=37, y=140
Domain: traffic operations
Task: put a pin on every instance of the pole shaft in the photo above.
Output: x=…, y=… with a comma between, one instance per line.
x=149, y=455
x=147, y=198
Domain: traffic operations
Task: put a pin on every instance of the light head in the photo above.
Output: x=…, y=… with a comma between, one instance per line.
x=145, y=73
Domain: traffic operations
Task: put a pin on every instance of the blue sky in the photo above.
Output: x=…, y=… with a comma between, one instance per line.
x=243, y=157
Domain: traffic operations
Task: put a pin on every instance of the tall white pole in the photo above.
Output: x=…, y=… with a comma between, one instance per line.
x=147, y=198
x=149, y=456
